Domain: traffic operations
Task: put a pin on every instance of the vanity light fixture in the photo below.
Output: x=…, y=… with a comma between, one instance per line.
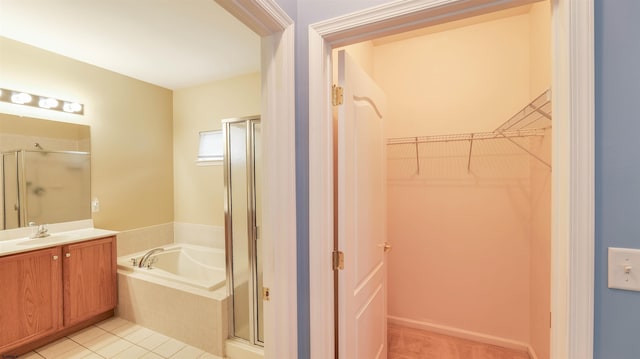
x=49, y=103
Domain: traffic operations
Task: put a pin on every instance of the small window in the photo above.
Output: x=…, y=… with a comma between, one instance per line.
x=210, y=148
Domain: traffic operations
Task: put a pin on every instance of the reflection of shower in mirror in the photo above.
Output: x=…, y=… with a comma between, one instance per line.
x=55, y=187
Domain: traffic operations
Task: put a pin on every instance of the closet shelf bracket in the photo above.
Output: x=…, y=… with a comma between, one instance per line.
x=470, y=149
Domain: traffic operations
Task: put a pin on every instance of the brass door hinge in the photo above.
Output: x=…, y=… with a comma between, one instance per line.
x=338, y=260
x=337, y=95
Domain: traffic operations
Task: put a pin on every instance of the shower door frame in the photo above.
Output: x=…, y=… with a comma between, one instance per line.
x=252, y=225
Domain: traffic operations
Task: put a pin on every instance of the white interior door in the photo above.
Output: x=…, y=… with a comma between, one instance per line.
x=362, y=306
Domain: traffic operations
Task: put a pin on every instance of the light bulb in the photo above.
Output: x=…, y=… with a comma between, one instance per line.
x=21, y=98
x=48, y=102
x=72, y=107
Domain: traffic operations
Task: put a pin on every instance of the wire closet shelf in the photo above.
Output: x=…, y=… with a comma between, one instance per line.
x=532, y=120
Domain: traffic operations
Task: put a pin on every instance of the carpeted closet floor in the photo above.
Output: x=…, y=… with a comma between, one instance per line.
x=409, y=343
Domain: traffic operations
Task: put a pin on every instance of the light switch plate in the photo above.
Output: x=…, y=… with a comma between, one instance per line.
x=624, y=268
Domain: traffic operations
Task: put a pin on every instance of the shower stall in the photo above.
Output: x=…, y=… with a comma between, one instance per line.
x=242, y=178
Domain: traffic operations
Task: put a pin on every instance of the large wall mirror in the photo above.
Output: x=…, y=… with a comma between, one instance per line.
x=45, y=172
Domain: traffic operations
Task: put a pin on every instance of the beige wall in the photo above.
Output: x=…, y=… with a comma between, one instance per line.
x=540, y=50
x=447, y=82
x=131, y=130
x=199, y=190
x=361, y=53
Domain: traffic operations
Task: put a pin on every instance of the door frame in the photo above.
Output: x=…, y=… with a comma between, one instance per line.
x=278, y=231
x=573, y=200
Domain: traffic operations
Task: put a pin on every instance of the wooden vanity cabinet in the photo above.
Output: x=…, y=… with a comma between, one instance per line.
x=49, y=293
x=30, y=296
x=89, y=277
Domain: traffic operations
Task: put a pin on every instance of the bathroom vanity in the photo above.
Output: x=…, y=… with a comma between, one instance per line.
x=53, y=286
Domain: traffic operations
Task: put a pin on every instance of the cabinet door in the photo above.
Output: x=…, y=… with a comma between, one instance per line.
x=30, y=296
x=89, y=279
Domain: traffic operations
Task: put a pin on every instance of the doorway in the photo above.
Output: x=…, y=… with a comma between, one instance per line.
x=573, y=194
x=276, y=30
x=468, y=128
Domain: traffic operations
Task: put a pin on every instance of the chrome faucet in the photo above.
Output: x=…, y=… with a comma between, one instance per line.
x=147, y=256
x=39, y=230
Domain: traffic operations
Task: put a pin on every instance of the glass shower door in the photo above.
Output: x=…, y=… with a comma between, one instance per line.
x=242, y=211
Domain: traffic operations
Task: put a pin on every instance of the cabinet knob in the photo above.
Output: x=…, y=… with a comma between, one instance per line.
x=67, y=255
x=55, y=258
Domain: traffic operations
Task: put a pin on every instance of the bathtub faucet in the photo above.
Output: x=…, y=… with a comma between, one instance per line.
x=147, y=256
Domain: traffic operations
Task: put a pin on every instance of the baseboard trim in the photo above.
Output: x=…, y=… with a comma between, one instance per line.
x=464, y=334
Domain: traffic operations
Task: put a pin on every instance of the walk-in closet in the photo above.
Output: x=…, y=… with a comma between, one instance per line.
x=468, y=195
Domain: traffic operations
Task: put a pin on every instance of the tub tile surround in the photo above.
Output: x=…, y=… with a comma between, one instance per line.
x=140, y=239
x=199, y=234
x=153, y=305
x=112, y=338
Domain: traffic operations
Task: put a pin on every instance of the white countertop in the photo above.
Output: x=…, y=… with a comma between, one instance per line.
x=18, y=241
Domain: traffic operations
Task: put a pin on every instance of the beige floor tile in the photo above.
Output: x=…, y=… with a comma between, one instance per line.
x=188, y=352
x=209, y=356
x=125, y=329
x=112, y=323
x=87, y=334
x=114, y=348
x=139, y=335
x=169, y=348
x=133, y=352
x=101, y=341
x=154, y=341
x=151, y=355
x=93, y=356
x=57, y=348
x=31, y=355
x=76, y=353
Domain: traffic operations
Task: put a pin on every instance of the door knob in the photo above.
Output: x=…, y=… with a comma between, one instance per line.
x=387, y=247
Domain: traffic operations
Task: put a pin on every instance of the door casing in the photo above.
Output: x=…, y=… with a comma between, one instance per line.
x=277, y=113
x=573, y=200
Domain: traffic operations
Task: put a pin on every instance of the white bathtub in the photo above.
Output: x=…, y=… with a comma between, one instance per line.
x=196, y=266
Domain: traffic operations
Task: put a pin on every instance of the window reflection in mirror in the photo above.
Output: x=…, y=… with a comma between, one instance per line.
x=44, y=171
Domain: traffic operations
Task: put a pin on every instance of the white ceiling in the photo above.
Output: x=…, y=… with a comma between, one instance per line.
x=169, y=43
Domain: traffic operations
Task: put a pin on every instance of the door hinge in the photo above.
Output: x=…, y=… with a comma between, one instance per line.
x=338, y=260
x=337, y=95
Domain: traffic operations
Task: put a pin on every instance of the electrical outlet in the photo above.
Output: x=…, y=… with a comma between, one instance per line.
x=624, y=268
x=95, y=205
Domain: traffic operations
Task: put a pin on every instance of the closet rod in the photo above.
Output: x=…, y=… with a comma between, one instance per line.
x=481, y=136
x=465, y=137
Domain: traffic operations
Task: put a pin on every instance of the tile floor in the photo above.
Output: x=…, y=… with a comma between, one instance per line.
x=119, y=339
